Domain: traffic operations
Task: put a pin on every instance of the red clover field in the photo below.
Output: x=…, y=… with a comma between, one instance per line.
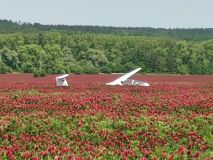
x=171, y=119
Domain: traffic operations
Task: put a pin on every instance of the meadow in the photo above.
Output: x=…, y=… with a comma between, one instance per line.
x=171, y=119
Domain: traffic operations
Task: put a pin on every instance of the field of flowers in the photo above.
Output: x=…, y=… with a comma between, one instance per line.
x=171, y=119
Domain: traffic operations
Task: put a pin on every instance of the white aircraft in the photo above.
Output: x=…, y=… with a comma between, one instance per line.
x=123, y=80
x=61, y=81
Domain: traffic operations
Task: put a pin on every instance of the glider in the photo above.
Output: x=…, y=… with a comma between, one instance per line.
x=123, y=80
x=61, y=80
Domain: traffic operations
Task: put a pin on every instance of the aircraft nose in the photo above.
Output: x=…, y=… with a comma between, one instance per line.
x=146, y=84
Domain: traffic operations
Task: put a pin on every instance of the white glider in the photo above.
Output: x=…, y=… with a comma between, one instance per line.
x=123, y=80
x=61, y=80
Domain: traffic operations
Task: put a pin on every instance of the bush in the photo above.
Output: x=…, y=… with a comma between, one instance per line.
x=39, y=73
x=90, y=69
x=183, y=69
x=105, y=69
x=75, y=68
x=4, y=68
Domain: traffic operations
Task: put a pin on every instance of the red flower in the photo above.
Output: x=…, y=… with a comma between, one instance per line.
x=171, y=157
x=196, y=155
x=181, y=150
x=164, y=154
x=145, y=151
x=44, y=153
x=10, y=155
x=203, y=148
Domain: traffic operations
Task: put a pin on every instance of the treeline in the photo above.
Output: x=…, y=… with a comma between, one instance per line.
x=56, y=52
x=182, y=34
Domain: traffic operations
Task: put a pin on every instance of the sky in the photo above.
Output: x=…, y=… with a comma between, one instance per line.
x=122, y=13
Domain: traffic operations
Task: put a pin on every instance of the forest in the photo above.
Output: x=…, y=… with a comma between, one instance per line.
x=42, y=49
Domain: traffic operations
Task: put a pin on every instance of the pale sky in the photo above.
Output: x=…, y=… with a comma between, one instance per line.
x=132, y=13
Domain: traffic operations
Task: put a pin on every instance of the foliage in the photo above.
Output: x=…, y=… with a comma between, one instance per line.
x=39, y=73
x=177, y=33
x=78, y=49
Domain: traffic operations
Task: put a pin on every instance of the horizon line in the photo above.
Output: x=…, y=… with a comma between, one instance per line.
x=19, y=22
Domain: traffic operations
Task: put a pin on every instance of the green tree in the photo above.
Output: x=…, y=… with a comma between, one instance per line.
x=10, y=58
